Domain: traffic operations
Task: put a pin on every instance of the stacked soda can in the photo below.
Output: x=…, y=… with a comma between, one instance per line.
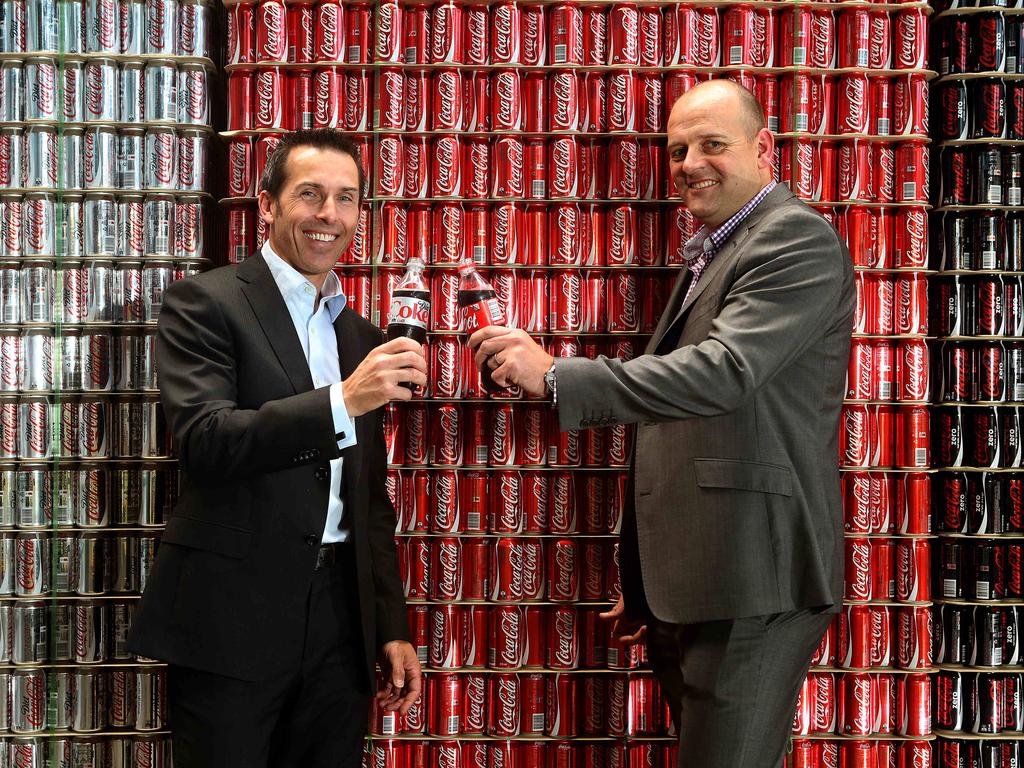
x=978, y=122
x=529, y=139
x=104, y=186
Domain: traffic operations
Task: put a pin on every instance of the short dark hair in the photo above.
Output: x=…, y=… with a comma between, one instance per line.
x=275, y=174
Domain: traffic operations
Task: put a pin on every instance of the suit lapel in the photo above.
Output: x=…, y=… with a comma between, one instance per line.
x=268, y=305
x=676, y=312
x=349, y=356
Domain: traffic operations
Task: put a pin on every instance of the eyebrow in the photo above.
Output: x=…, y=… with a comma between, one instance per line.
x=315, y=185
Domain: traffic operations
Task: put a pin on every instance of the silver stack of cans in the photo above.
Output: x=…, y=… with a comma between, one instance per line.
x=104, y=146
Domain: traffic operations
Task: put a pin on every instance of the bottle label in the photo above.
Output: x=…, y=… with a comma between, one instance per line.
x=409, y=310
x=481, y=314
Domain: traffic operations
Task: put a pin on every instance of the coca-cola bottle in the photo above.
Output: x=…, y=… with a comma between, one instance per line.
x=480, y=308
x=410, y=306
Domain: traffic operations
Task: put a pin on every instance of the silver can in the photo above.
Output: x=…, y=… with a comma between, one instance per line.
x=125, y=495
x=156, y=443
x=193, y=152
x=91, y=575
x=131, y=224
x=38, y=352
x=41, y=89
x=28, y=715
x=97, y=290
x=122, y=697
x=42, y=28
x=13, y=32
x=158, y=492
x=97, y=375
x=10, y=293
x=32, y=564
x=100, y=214
x=12, y=166
x=35, y=496
x=133, y=360
x=133, y=27
x=126, y=291
x=150, y=699
x=156, y=277
x=72, y=167
x=70, y=342
x=160, y=225
x=72, y=230
x=92, y=509
x=7, y=561
x=147, y=556
x=127, y=428
x=28, y=751
x=12, y=214
x=61, y=711
x=64, y=494
x=131, y=94
x=100, y=157
x=40, y=157
x=90, y=698
x=35, y=423
x=37, y=287
x=73, y=98
x=10, y=427
x=71, y=279
x=161, y=91
x=89, y=631
x=38, y=224
x=121, y=615
x=12, y=360
x=101, y=90
x=125, y=563
x=29, y=622
x=193, y=94
x=151, y=752
x=12, y=90
x=161, y=170
x=93, y=423
x=60, y=632
x=161, y=27
x=65, y=446
x=195, y=21
x=6, y=646
x=88, y=751
x=72, y=26
x=102, y=26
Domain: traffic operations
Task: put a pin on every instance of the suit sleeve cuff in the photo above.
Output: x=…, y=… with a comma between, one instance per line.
x=344, y=428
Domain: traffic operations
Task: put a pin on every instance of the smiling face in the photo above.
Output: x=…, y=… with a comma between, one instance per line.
x=718, y=158
x=314, y=217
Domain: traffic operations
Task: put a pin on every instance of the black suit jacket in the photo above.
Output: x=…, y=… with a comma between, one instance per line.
x=228, y=591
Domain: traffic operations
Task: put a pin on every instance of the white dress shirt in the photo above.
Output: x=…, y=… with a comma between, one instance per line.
x=315, y=330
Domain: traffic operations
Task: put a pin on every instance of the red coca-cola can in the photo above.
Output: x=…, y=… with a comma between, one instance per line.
x=910, y=105
x=910, y=39
x=506, y=502
x=692, y=36
x=914, y=705
x=858, y=568
x=912, y=570
x=912, y=370
x=623, y=161
x=854, y=104
x=271, y=31
x=881, y=571
x=563, y=570
x=565, y=34
x=416, y=551
x=854, y=170
x=446, y=628
x=913, y=503
x=858, y=712
x=268, y=99
x=913, y=638
x=563, y=640
x=913, y=437
x=507, y=166
x=912, y=172
x=444, y=697
x=507, y=636
x=561, y=714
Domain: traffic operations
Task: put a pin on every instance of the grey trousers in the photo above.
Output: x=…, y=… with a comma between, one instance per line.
x=732, y=685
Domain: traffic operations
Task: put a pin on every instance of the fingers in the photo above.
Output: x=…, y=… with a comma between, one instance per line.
x=488, y=332
x=635, y=637
x=403, y=344
x=615, y=612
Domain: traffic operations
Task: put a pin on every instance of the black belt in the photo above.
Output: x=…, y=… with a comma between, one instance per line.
x=330, y=554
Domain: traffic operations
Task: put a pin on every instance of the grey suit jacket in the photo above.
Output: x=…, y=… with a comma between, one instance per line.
x=736, y=493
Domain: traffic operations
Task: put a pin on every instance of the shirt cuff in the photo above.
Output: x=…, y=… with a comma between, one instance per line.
x=344, y=429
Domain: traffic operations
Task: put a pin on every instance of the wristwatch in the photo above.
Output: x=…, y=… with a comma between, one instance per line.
x=552, y=385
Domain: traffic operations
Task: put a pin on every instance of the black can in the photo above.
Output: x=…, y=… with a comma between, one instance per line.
x=951, y=569
x=948, y=446
x=988, y=109
x=955, y=175
x=990, y=241
x=988, y=176
x=955, y=249
x=984, y=437
x=1012, y=454
x=1015, y=110
x=949, y=700
x=951, y=512
x=989, y=44
x=953, y=107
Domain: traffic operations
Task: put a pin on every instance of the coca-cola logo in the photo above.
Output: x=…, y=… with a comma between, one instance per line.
x=571, y=291
x=506, y=90
x=502, y=444
x=565, y=638
x=502, y=223
x=533, y=36
x=760, y=49
x=323, y=102
x=563, y=162
x=565, y=571
x=450, y=222
x=907, y=34
x=509, y=502
x=92, y=439
x=448, y=580
x=103, y=25
x=506, y=32
x=855, y=89
x=448, y=104
x=620, y=241
x=161, y=159
x=479, y=167
x=194, y=94
x=187, y=28
x=567, y=227
x=531, y=565
x=387, y=29
x=267, y=96
x=389, y=166
x=617, y=705
x=38, y=219
x=565, y=100
x=802, y=171
x=514, y=158
x=27, y=560
x=650, y=37
x=44, y=88
x=446, y=152
x=706, y=36
x=392, y=83
x=507, y=690
x=860, y=566
x=507, y=641
x=992, y=109
x=620, y=104
x=653, y=97
x=821, y=40
x=156, y=27
x=327, y=19
x=628, y=151
x=626, y=289
x=272, y=29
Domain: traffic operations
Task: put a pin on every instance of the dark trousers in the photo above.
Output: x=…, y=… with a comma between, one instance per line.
x=314, y=716
x=732, y=685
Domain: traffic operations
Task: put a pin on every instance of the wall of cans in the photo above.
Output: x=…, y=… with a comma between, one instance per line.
x=104, y=135
x=978, y=324
x=529, y=138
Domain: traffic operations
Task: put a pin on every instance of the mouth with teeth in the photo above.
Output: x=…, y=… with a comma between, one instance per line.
x=320, y=237
x=702, y=184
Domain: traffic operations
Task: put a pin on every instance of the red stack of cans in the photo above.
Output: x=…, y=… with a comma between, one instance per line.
x=104, y=172
x=976, y=306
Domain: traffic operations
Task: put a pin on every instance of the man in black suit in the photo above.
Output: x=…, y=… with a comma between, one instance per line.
x=276, y=584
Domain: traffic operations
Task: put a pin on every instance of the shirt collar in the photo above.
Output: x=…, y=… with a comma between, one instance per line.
x=293, y=285
x=707, y=242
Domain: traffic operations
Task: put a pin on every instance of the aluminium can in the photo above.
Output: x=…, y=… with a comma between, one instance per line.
x=161, y=91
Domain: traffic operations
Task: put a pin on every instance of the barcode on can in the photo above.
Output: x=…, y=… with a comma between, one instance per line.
x=479, y=254
x=773, y=124
x=885, y=390
x=421, y=654
x=800, y=56
x=560, y=54
x=473, y=521
x=949, y=587
x=981, y=591
x=410, y=53
x=995, y=194
x=1011, y=65
x=862, y=57
x=1013, y=196
x=909, y=190
x=537, y=722
x=801, y=122
x=537, y=188
x=882, y=126
x=481, y=454
x=735, y=54
x=453, y=724
x=352, y=54
x=988, y=259
x=920, y=457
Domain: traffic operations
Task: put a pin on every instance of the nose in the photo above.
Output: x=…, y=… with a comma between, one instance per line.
x=691, y=163
x=328, y=210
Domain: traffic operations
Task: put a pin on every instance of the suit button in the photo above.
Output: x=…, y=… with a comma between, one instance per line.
x=322, y=474
x=312, y=540
x=314, y=453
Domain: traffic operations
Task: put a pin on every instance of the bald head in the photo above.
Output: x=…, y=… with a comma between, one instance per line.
x=731, y=97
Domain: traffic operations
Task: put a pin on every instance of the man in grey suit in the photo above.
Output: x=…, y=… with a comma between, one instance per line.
x=732, y=546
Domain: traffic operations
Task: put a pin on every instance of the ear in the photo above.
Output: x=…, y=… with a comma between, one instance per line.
x=765, y=143
x=266, y=203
